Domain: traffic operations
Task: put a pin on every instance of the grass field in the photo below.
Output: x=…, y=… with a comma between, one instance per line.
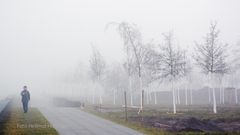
x=14, y=122
x=189, y=120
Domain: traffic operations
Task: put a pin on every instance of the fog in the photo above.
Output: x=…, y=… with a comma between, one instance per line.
x=44, y=43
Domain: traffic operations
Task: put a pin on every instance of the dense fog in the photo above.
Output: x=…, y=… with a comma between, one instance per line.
x=49, y=46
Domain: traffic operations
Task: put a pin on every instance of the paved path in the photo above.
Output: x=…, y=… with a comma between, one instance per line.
x=73, y=121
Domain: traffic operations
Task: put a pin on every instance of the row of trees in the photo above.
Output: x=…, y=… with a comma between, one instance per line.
x=146, y=63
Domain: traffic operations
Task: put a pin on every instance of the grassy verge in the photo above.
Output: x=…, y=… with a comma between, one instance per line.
x=134, y=125
x=14, y=122
x=134, y=120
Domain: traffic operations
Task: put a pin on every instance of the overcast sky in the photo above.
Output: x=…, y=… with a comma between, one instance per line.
x=40, y=37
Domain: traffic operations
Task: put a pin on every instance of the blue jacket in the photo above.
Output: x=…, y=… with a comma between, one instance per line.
x=25, y=96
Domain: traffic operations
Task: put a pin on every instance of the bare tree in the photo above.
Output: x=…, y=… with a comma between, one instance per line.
x=210, y=56
x=98, y=67
x=129, y=67
x=124, y=29
x=140, y=53
x=169, y=64
x=187, y=72
x=234, y=73
x=134, y=48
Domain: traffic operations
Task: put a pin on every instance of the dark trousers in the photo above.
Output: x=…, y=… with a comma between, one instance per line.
x=25, y=106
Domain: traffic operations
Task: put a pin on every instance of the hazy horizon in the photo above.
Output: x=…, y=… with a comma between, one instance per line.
x=40, y=40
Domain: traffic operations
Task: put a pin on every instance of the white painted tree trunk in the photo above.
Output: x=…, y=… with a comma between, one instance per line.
x=141, y=104
x=155, y=97
x=186, y=96
x=214, y=95
x=130, y=89
x=174, y=102
x=236, y=96
x=214, y=101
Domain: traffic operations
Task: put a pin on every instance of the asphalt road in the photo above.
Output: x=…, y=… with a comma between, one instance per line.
x=73, y=121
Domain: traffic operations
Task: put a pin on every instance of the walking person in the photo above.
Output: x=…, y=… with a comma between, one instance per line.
x=25, y=98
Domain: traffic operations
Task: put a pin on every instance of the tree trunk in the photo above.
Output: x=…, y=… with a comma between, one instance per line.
x=125, y=102
x=130, y=89
x=209, y=89
x=141, y=104
x=214, y=101
x=174, y=102
x=214, y=95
